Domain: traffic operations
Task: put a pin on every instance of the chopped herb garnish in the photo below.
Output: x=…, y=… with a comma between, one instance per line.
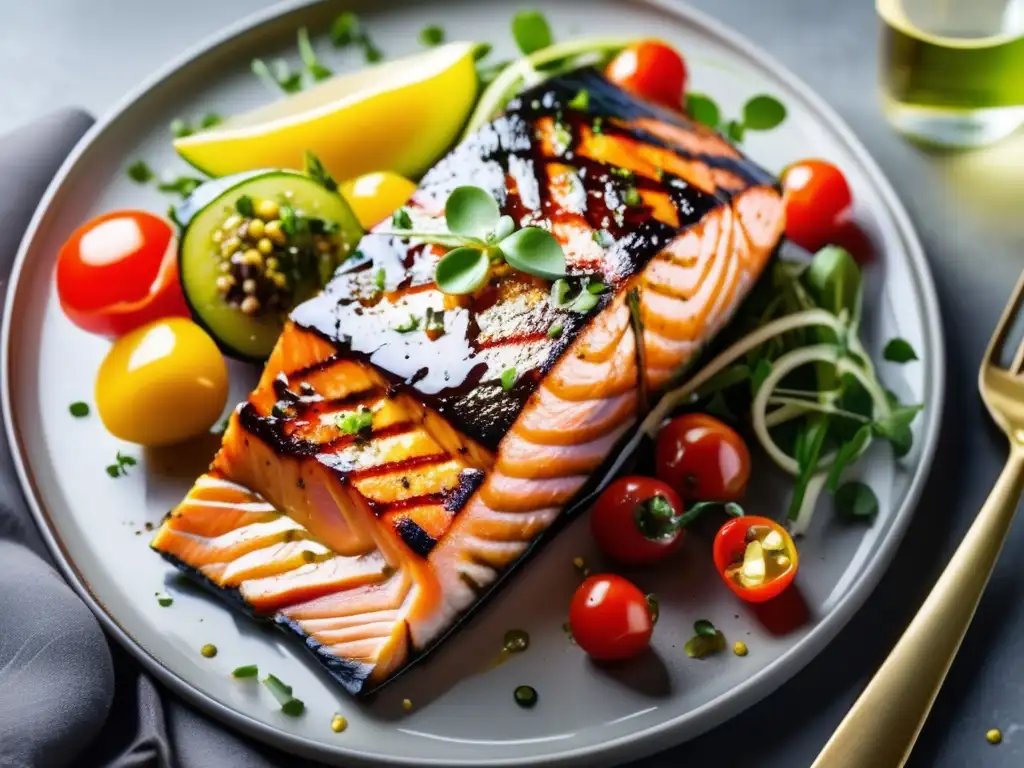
x=508, y=378
x=140, y=172
x=401, y=219
x=704, y=628
x=316, y=171
x=244, y=206
x=210, y=119
x=622, y=173
x=165, y=601
x=347, y=30
x=432, y=35
x=293, y=707
x=632, y=197
x=434, y=321
x=581, y=101
x=555, y=331
x=596, y=287
x=703, y=109
x=409, y=325
x=249, y=670
x=119, y=468
x=899, y=351
x=180, y=129
x=603, y=238
x=856, y=501
x=701, y=645
x=531, y=31
x=280, y=76
x=79, y=410
x=283, y=693
x=597, y=126
x=309, y=60
x=380, y=279
x=355, y=422
x=183, y=185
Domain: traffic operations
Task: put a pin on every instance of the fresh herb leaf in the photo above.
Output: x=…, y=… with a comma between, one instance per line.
x=809, y=442
x=856, y=501
x=210, y=119
x=164, y=601
x=632, y=197
x=244, y=206
x=180, y=129
x=125, y=461
x=309, y=60
x=250, y=670
x=113, y=470
x=560, y=293
x=432, y=35
x=380, y=279
x=409, y=325
x=462, y=271
x=283, y=693
x=531, y=31
x=704, y=628
x=581, y=101
x=280, y=76
x=346, y=30
x=471, y=212
x=536, y=252
x=896, y=428
x=718, y=406
x=140, y=172
x=293, y=707
x=434, y=321
x=734, y=129
x=603, y=238
x=555, y=331
x=762, y=113
x=401, y=219
x=183, y=186
x=371, y=52
x=596, y=287
x=79, y=410
x=703, y=109
x=119, y=468
x=899, y=351
x=848, y=453
x=834, y=281
x=508, y=378
x=316, y=171
x=583, y=303
x=701, y=646
x=356, y=421
x=506, y=226
x=482, y=50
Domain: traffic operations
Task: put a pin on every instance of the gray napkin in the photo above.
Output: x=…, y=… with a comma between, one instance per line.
x=66, y=696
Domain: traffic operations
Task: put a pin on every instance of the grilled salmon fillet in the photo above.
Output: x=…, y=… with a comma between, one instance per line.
x=386, y=472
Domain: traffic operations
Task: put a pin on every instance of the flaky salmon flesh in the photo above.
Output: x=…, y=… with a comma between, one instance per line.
x=372, y=541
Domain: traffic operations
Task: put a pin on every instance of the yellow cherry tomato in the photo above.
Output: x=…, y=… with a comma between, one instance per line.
x=376, y=196
x=162, y=383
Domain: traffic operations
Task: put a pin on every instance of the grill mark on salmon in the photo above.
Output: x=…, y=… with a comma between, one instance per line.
x=396, y=532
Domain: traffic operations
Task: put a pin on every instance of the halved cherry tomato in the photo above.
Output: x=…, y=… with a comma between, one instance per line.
x=651, y=70
x=120, y=271
x=610, y=618
x=703, y=458
x=817, y=197
x=756, y=557
x=635, y=520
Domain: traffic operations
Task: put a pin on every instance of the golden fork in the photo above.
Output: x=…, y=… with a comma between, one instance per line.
x=882, y=726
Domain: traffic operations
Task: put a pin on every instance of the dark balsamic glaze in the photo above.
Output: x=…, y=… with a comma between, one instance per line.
x=459, y=372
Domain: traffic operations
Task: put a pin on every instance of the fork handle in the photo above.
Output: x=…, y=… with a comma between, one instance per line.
x=882, y=726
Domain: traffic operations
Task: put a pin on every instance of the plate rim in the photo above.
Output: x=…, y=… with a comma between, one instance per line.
x=642, y=742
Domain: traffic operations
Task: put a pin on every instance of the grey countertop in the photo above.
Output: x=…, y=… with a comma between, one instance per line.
x=968, y=210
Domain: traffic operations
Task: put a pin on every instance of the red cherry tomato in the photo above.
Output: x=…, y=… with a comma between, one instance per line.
x=635, y=520
x=779, y=562
x=120, y=271
x=703, y=459
x=817, y=196
x=651, y=70
x=609, y=618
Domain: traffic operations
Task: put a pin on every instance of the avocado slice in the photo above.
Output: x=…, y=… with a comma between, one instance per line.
x=255, y=246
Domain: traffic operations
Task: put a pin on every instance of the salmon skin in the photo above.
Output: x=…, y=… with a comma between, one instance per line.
x=410, y=449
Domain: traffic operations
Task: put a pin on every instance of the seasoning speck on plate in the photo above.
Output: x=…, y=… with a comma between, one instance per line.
x=338, y=724
x=209, y=650
x=994, y=736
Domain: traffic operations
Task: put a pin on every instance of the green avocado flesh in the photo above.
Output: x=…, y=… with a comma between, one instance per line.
x=304, y=270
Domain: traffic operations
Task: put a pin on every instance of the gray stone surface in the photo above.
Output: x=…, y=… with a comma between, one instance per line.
x=969, y=211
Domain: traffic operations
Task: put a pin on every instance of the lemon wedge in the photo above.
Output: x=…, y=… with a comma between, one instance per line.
x=398, y=116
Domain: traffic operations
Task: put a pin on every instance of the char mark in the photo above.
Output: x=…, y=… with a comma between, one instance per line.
x=418, y=540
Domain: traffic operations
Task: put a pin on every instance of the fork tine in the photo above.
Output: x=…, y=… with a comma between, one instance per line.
x=1011, y=311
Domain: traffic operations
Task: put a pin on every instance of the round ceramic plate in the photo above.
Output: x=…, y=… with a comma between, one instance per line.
x=462, y=715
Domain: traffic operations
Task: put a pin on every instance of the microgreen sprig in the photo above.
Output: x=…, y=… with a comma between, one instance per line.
x=481, y=237
x=760, y=113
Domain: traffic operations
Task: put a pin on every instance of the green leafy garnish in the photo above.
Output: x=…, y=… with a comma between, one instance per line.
x=847, y=453
x=471, y=212
x=581, y=300
x=283, y=693
x=180, y=129
x=249, y=670
x=531, y=31
x=482, y=50
x=603, y=238
x=316, y=171
x=534, y=251
x=409, y=325
x=809, y=442
x=632, y=197
x=760, y=113
x=763, y=112
x=899, y=351
x=380, y=279
x=401, y=219
x=165, y=601
x=701, y=645
x=508, y=378
x=555, y=331
x=432, y=35
x=581, y=101
x=355, y=422
x=79, y=410
x=244, y=206
x=347, y=30
x=120, y=466
x=310, y=61
x=279, y=75
x=210, y=119
x=704, y=628
x=856, y=501
x=703, y=109
x=433, y=321
x=140, y=172
x=734, y=129
x=462, y=270
x=182, y=185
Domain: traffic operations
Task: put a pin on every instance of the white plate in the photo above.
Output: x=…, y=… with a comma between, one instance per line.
x=585, y=716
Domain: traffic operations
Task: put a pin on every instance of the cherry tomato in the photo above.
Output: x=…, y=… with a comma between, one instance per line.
x=609, y=618
x=120, y=271
x=817, y=197
x=703, y=459
x=756, y=557
x=635, y=520
x=651, y=70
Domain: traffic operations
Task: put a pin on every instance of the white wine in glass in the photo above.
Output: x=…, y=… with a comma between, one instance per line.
x=953, y=70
